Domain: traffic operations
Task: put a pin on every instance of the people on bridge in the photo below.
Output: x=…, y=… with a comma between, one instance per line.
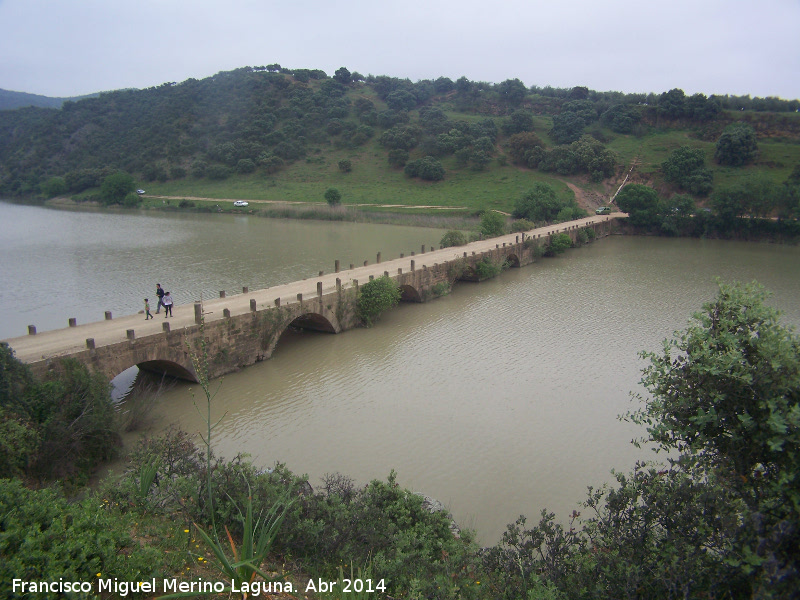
x=167, y=305
x=147, y=310
x=160, y=294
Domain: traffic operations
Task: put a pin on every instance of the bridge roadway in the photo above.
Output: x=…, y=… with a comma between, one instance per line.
x=47, y=345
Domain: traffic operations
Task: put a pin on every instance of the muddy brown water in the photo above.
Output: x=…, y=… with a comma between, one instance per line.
x=500, y=399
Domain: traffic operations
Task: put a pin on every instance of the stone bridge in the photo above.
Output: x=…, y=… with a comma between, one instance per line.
x=236, y=331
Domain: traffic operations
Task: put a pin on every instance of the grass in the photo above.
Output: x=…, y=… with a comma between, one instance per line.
x=372, y=183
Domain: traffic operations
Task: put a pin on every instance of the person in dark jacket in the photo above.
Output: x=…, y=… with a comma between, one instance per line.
x=160, y=294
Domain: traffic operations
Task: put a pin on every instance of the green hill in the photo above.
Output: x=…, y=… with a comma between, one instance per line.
x=10, y=100
x=279, y=134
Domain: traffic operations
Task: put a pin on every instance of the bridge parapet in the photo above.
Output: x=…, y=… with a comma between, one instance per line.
x=242, y=329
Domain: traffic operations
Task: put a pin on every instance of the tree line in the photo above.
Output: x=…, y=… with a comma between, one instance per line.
x=261, y=119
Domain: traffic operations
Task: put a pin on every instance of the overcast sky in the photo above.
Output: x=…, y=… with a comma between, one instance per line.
x=74, y=47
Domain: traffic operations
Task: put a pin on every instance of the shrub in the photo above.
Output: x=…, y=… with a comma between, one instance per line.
x=522, y=225
x=427, y=168
x=61, y=427
x=375, y=297
x=737, y=145
x=186, y=203
x=116, y=187
x=493, y=224
x=218, y=172
x=333, y=196
x=559, y=243
x=486, y=268
x=345, y=166
x=45, y=538
x=245, y=165
x=453, y=238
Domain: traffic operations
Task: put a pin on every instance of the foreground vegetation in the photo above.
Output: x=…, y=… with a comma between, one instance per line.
x=719, y=518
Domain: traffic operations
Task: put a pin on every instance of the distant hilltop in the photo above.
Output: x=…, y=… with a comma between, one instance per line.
x=10, y=100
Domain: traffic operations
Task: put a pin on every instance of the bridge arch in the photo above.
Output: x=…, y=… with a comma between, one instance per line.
x=512, y=260
x=409, y=293
x=313, y=321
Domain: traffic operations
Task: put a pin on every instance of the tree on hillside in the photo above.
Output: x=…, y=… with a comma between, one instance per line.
x=520, y=144
x=333, y=196
x=540, y=204
x=737, y=145
x=512, y=92
x=672, y=103
x=342, y=75
x=427, y=168
x=518, y=122
x=115, y=187
x=567, y=127
x=622, y=118
x=641, y=203
x=686, y=167
x=755, y=196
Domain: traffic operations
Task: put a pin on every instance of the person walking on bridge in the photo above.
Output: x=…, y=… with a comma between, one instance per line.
x=160, y=294
x=147, y=310
x=167, y=305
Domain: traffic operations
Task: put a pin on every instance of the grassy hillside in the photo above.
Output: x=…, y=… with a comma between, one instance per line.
x=267, y=133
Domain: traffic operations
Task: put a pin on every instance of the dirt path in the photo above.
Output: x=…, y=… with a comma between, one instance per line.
x=297, y=202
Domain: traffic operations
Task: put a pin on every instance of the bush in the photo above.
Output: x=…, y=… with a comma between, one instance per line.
x=245, y=165
x=493, y=224
x=540, y=204
x=132, y=200
x=218, y=172
x=522, y=225
x=737, y=145
x=453, y=238
x=45, y=538
x=333, y=196
x=61, y=427
x=375, y=297
x=486, y=268
x=559, y=243
x=427, y=168
x=345, y=166
x=116, y=187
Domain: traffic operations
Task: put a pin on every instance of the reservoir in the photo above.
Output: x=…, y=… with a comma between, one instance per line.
x=499, y=399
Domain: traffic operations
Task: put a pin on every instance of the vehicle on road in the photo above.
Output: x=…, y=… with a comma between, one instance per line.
x=140, y=192
x=241, y=203
x=603, y=210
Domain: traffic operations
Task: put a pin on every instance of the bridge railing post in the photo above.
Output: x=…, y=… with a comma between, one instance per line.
x=31, y=329
x=252, y=305
x=198, y=312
